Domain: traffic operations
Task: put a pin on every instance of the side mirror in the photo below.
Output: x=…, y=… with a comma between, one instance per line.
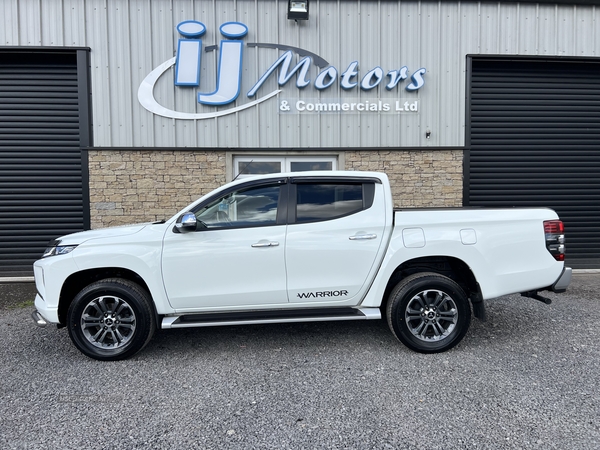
x=187, y=222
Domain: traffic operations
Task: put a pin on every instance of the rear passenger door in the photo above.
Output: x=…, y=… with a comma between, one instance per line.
x=334, y=238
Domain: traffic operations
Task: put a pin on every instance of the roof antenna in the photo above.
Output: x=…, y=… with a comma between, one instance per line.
x=242, y=171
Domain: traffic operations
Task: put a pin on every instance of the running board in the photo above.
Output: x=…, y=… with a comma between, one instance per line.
x=271, y=316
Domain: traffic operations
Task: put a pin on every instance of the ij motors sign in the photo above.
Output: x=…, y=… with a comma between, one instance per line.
x=188, y=61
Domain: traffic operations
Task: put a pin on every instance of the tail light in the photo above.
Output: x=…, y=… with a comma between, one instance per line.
x=555, y=238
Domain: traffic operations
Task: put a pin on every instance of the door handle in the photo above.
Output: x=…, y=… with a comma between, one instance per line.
x=362, y=237
x=262, y=244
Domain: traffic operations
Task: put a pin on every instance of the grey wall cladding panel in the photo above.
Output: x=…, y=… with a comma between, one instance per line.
x=41, y=194
x=130, y=38
x=535, y=141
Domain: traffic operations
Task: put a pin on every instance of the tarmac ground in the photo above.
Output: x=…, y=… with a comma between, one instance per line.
x=13, y=295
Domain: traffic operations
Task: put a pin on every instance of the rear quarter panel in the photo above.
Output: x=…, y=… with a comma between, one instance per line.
x=504, y=248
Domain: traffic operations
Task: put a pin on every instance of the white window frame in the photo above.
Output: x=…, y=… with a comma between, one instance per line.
x=285, y=160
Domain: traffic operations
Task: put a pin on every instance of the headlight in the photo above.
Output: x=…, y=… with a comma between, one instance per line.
x=54, y=250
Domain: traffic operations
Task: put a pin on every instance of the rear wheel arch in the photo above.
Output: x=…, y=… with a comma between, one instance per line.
x=450, y=267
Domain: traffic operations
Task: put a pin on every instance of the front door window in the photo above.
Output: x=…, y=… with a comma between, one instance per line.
x=248, y=207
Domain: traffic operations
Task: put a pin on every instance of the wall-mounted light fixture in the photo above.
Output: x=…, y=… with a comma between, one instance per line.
x=297, y=10
x=428, y=134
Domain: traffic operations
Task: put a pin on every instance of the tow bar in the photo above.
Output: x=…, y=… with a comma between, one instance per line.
x=534, y=295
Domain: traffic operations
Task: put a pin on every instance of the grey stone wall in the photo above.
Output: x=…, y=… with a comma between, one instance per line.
x=142, y=186
x=418, y=178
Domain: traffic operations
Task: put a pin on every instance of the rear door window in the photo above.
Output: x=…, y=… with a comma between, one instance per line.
x=327, y=201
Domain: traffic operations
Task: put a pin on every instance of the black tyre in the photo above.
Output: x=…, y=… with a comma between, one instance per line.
x=111, y=319
x=428, y=312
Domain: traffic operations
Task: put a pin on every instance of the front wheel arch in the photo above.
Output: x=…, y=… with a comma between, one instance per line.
x=79, y=280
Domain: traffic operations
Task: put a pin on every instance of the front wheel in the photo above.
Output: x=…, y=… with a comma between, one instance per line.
x=111, y=319
x=428, y=312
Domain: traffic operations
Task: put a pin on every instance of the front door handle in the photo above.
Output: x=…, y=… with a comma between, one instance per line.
x=262, y=244
x=362, y=237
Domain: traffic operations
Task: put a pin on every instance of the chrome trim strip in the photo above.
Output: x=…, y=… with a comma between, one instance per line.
x=362, y=237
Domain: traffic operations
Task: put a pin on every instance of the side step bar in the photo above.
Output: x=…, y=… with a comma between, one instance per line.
x=263, y=317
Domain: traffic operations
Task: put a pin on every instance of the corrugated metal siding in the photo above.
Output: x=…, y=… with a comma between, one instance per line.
x=535, y=141
x=41, y=191
x=129, y=38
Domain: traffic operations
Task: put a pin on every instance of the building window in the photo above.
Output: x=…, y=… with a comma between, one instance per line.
x=245, y=166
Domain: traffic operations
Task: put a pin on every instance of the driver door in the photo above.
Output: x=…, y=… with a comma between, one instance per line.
x=235, y=258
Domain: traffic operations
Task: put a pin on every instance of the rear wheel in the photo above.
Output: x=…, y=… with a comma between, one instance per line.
x=111, y=319
x=428, y=312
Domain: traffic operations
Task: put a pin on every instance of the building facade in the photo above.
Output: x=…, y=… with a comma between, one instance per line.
x=120, y=111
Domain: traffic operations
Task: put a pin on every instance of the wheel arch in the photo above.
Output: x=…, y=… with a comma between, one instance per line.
x=79, y=280
x=451, y=267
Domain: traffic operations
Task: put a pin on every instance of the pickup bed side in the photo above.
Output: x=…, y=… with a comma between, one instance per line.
x=504, y=249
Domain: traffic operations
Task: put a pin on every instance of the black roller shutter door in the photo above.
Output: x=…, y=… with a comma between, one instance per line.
x=42, y=174
x=534, y=140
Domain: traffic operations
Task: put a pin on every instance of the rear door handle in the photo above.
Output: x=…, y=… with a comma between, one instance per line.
x=362, y=237
x=262, y=244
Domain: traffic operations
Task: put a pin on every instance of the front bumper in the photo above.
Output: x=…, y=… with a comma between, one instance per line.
x=44, y=313
x=38, y=319
x=563, y=281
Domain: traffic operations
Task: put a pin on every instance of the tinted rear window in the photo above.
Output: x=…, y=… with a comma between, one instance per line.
x=327, y=201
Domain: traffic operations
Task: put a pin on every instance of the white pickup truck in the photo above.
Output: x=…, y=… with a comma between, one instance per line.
x=297, y=247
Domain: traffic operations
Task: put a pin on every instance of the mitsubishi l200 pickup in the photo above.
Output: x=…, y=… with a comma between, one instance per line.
x=297, y=247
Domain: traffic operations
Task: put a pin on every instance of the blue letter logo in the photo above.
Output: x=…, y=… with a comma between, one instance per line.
x=187, y=72
x=187, y=67
x=229, y=72
x=229, y=76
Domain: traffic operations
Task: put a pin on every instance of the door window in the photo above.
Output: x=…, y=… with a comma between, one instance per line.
x=247, y=207
x=327, y=201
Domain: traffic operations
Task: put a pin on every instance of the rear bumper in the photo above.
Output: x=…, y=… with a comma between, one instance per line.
x=563, y=281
